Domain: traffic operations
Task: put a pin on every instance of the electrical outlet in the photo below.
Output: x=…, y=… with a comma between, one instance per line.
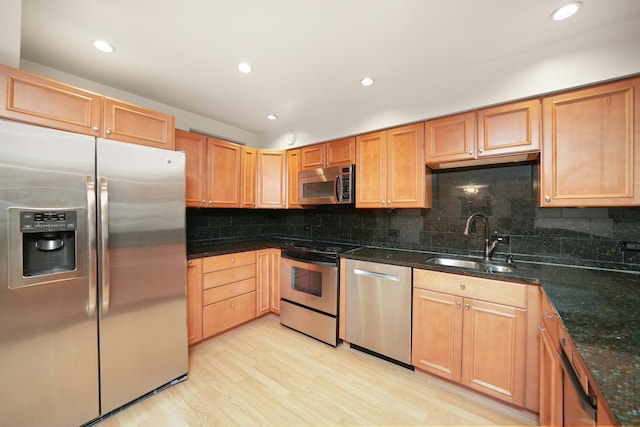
x=394, y=232
x=630, y=247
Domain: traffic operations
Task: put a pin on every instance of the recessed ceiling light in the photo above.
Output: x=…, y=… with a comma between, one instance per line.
x=103, y=46
x=367, y=81
x=566, y=11
x=244, y=68
x=271, y=116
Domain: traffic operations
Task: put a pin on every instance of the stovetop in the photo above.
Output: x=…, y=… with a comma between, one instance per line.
x=325, y=248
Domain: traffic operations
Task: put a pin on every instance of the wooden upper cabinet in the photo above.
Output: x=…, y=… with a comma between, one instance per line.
x=293, y=167
x=390, y=169
x=223, y=173
x=328, y=154
x=450, y=139
x=505, y=133
x=509, y=129
x=195, y=148
x=248, y=181
x=272, y=190
x=131, y=123
x=33, y=99
x=591, y=147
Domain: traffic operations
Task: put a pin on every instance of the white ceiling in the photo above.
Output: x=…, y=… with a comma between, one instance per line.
x=308, y=56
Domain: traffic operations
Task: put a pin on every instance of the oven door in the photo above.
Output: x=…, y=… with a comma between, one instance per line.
x=313, y=284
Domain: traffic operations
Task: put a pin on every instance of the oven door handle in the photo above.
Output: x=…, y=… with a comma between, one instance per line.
x=587, y=402
x=291, y=256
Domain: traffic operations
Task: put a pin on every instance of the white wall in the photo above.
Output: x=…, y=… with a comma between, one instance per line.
x=10, y=27
x=606, y=54
x=184, y=119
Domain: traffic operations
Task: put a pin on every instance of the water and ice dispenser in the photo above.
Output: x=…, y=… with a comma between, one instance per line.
x=48, y=242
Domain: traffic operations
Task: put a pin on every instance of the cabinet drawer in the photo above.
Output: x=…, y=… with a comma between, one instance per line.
x=222, y=262
x=220, y=293
x=229, y=275
x=507, y=293
x=226, y=314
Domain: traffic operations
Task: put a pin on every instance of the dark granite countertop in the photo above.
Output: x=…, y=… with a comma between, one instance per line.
x=599, y=308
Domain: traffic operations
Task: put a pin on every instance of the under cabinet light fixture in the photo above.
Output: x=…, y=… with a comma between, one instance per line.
x=103, y=46
x=566, y=11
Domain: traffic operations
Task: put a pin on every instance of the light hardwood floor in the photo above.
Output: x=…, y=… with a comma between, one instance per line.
x=263, y=374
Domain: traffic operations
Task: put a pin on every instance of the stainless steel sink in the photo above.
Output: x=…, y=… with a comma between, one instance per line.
x=489, y=267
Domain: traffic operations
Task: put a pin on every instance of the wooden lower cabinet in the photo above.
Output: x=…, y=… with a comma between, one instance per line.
x=267, y=281
x=550, y=380
x=194, y=300
x=481, y=344
x=226, y=314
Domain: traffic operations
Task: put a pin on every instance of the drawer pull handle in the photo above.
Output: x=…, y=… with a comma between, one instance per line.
x=233, y=260
x=233, y=304
x=467, y=307
x=233, y=291
x=462, y=286
x=233, y=276
x=541, y=329
x=458, y=305
x=549, y=316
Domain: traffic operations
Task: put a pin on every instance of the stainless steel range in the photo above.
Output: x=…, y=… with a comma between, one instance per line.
x=309, y=288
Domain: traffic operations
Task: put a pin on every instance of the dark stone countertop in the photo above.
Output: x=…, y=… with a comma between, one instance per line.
x=599, y=308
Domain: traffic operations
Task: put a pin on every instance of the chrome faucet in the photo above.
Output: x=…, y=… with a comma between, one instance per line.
x=488, y=246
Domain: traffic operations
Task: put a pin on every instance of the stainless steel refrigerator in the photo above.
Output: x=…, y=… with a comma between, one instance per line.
x=92, y=275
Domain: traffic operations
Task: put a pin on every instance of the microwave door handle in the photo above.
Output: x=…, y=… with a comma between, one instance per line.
x=338, y=187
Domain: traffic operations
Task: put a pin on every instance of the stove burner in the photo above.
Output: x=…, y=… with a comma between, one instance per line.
x=318, y=247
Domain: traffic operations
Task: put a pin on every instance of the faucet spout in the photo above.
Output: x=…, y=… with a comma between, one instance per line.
x=488, y=246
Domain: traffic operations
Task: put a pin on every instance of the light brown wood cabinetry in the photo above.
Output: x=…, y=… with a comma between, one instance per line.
x=229, y=291
x=472, y=331
x=550, y=367
x=30, y=98
x=268, y=281
x=591, y=147
x=194, y=146
x=34, y=99
x=272, y=188
x=505, y=133
x=293, y=167
x=214, y=174
x=248, y=181
x=194, y=300
x=131, y=123
x=390, y=171
x=328, y=154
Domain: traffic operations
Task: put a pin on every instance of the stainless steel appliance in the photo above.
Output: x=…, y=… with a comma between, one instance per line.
x=578, y=407
x=378, y=309
x=92, y=275
x=326, y=186
x=309, y=288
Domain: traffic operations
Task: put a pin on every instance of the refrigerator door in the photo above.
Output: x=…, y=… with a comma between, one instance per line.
x=48, y=323
x=142, y=270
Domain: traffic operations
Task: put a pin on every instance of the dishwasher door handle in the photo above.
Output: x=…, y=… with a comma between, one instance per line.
x=391, y=277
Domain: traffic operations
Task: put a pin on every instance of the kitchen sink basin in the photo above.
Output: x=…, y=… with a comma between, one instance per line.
x=489, y=267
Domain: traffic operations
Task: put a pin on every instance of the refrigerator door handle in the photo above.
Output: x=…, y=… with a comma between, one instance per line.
x=103, y=248
x=91, y=243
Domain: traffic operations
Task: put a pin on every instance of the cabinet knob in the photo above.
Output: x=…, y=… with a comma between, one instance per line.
x=233, y=290
x=204, y=202
x=547, y=199
x=233, y=276
x=458, y=305
x=462, y=286
x=210, y=202
x=233, y=260
x=548, y=316
x=388, y=202
x=233, y=304
x=95, y=128
x=108, y=131
x=190, y=263
x=383, y=203
x=466, y=307
x=541, y=329
x=481, y=150
x=471, y=152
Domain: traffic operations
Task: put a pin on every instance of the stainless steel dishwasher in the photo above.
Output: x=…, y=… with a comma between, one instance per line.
x=378, y=309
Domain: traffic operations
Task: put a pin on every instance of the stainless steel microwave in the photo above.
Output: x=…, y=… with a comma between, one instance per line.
x=326, y=186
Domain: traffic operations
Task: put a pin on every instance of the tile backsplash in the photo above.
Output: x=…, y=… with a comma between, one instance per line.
x=505, y=194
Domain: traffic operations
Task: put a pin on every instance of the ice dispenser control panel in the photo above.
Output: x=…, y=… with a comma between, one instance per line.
x=38, y=222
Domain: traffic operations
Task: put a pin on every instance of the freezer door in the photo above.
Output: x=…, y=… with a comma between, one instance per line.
x=142, y=270
x=48, y=325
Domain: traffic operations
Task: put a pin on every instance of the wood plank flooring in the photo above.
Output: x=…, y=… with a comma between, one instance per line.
x=264, y=374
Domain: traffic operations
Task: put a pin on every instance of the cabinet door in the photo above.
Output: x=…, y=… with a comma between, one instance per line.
x=271, y=179
x=406, y=171
x=591, y=147
x=312, y=156
x=341, y=151
x=131, y=123
x=195, y=148
x=509, y=129
x=274, y=280
x=371, y=170
x=550, y=381
x=263, y=276
x=194, y=300
x=224, y=172
x=437, y=333
x=494, y=350
x=293, y=167
x=450, y=139
x=33, y=99
x=248, y=181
